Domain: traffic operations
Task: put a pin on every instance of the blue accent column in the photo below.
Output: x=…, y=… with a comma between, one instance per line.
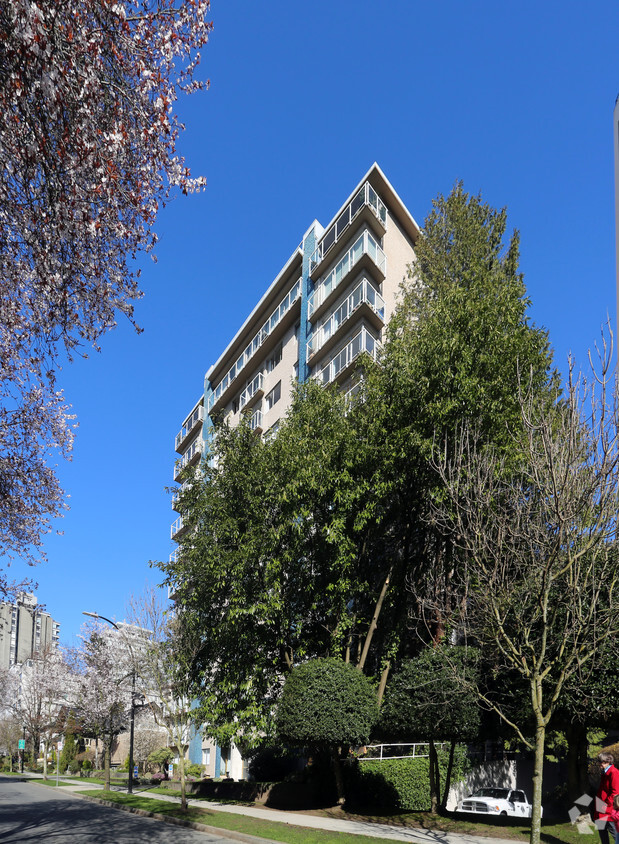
x=217, y=761
x=309, y=245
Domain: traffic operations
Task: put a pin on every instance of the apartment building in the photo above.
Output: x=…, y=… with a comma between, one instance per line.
x=25, y=630
x=329, y=303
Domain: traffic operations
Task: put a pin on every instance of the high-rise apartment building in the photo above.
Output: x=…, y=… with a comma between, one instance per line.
x=329, y=303
x=25, y=630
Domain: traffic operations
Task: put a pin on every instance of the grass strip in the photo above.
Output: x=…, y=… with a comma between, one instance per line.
x=292, y=834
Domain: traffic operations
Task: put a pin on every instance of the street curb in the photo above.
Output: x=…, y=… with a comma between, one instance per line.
x=199, y=827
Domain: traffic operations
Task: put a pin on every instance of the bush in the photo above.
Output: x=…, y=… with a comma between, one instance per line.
x=326, y=703
x=399, y=784
x=193, y=770
x=157, y=779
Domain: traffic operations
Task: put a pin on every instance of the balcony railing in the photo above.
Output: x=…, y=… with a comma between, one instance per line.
x=190, y=425
x=364, y=245
x=252, y=389
x=280, y=311
x=366, y=196
x=362, y=342
x=255, y=423
x=190, y=456
x=364, y=292
x=176, y=527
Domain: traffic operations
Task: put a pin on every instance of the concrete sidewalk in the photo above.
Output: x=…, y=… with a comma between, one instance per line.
x=413, y=835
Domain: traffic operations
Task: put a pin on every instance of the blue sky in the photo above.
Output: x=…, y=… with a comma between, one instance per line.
x=514, y=99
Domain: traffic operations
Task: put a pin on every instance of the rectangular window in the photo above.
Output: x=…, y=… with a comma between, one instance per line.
x=296, y=370
x=274, y=359
x=206, y=756
x=274, y=396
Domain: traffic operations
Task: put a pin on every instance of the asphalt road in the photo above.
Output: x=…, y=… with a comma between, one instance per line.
x=35, y=813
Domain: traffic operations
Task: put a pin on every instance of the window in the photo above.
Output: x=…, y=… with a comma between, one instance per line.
x=274, y=396
x=297, y=328
x=296, y=370
x=274, y=359
x=206, y=755
x=235, y=406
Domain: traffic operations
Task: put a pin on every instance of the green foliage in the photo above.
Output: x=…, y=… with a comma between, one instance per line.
x=161, y=758
x=318, y=541
x=433, y=697
x=68, y=752
x=273, y=762
x=193, y=770
x=326, y=703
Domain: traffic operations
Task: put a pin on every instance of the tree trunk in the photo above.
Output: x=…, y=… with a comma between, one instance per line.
x=107, y=753
x=45, y=751
x=383, y=681
x=374, y=622
x=435, y=782
x=538, y=773
x=339, y=779
x=181, y=770
x=450, y=765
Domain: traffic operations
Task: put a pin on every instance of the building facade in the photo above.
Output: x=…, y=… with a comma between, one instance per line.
x=329, y=303
x=25, y=630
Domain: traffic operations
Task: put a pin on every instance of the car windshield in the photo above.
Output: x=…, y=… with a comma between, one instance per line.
x=494, y=793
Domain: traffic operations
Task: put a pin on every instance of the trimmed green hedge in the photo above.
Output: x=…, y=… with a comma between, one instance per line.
x=399, y=784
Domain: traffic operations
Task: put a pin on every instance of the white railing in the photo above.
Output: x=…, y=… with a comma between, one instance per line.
x=254, y=386
x=386, y=751
x=194, y=449
x=365, y=196
x=361, y=342
x=363, y=292
x=196, y=417
x=364, y=245
x=256, y=420
x=176, y=527
x=284, y=306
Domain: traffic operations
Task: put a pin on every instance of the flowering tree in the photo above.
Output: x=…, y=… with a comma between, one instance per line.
x=45, y=686
x=88, y=138
x=103, y=698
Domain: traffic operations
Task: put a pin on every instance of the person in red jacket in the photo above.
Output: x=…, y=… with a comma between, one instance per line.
x=604, y=802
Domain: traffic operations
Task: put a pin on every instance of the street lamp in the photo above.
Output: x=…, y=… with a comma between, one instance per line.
x=133, y=697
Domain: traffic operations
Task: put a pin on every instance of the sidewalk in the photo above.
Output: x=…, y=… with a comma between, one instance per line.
x=375, y=830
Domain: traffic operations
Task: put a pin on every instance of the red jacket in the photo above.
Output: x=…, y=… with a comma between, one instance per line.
x=609, y=786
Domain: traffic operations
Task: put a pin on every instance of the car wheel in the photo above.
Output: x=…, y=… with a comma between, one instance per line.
x=503, y=814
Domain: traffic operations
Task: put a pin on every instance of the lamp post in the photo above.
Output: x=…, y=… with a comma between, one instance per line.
x=133, y=696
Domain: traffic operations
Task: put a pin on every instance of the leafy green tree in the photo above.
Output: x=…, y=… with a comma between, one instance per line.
x=69, y=750
x=329, y=705
x=426, y=701
x=319, y=542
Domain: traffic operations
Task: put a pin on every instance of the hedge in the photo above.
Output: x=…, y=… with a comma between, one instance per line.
x=400, y=784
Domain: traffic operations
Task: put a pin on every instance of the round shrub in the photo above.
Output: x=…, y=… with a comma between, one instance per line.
x=325, y=703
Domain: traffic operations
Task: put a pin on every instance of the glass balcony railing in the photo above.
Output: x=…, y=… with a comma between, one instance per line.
x=176, y=527
x=194, y=450
x=362, y=342
x=280, y=311
x=254, y=387
x=364, y=245
x=255, y=423
x=195, y=419
x=366, y=196
x=363, y=292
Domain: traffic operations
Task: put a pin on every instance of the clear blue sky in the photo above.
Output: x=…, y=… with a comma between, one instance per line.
x=515, y=99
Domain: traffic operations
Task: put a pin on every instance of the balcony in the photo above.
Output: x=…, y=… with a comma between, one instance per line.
x=253, y=390
x=177, y=528
x=190, y=426
x=365, y=300
x=367, y=204
x=365, y=252
x=255, y=423
x=189, y=458
x=215, y=400
x=340, y=365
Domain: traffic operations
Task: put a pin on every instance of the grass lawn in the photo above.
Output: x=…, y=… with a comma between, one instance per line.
x=551, y=833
